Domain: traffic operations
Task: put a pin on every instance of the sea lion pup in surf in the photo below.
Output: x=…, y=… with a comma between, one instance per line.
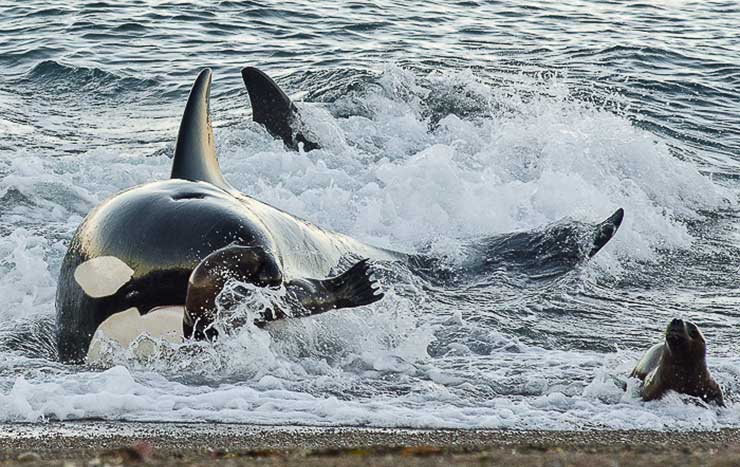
x=153, y=258
x=678, y=364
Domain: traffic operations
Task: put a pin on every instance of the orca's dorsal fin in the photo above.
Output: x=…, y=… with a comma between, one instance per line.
x=272, y=108
x=195, y=150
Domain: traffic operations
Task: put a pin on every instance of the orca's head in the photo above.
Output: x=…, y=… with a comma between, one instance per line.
x=92, y=289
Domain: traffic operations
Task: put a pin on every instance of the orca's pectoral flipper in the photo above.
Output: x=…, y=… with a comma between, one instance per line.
x=604, y=231
x=195, y=150
x=272, y=108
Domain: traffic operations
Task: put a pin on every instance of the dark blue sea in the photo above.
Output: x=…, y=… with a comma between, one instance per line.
x=439, y=122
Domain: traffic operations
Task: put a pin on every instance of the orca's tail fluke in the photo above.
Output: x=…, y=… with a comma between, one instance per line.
x=543, y=253
x=604, y=231
x=195, y=150
x=272, y=108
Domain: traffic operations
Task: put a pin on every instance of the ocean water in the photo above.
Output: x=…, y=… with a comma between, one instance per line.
x=440, y=122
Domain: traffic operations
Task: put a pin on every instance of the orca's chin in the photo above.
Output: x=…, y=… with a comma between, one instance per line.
x=128, y=327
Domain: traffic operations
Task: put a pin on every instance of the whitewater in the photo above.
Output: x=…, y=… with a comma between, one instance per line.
x=438, y=125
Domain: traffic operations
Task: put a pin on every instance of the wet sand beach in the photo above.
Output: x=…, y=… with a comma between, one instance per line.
x=106, y=443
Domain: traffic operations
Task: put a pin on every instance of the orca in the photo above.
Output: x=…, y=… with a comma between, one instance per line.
x=162, y=251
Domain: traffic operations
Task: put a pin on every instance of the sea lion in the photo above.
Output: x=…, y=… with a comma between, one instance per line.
x=678, y=364
x=153, y=258
x=254, y=265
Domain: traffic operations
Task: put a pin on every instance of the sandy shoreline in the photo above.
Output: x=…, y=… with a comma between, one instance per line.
x=99, y=443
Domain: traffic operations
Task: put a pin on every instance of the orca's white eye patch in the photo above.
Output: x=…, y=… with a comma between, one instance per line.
x=102, y=276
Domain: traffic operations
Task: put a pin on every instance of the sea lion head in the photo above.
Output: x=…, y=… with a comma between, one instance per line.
x=684, y=341
x=248, y=264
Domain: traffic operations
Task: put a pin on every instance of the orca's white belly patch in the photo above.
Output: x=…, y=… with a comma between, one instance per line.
x=125, y=327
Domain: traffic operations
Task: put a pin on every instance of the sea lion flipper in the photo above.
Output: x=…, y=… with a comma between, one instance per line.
x=717, y=397
x=195, y=150
x=604, y=231
x=272, y=108
x=354, y=287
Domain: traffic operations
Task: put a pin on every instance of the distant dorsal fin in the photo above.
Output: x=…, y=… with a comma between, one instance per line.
x=195, y=150
x=272, y=108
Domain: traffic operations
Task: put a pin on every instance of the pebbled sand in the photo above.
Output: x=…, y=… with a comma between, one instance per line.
x=108, y=443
